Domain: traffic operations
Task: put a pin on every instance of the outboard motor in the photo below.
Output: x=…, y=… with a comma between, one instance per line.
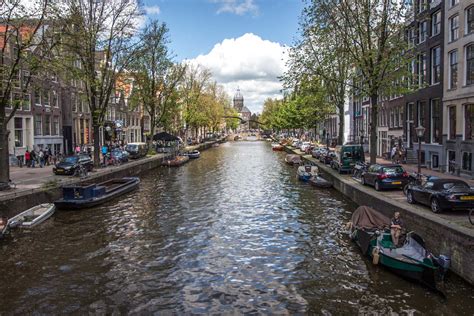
x=444, y=263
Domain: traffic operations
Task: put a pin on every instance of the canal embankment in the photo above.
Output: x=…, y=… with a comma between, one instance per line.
x=441, y=235
x=17, y=200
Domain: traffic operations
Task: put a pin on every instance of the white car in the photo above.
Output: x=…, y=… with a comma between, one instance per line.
x=305, y=145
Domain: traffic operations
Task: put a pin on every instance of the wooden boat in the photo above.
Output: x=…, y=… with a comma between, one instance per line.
x=292, y=159
x=277, y=147
x=3, y=226
x=193, y=154
x=33, y=216
x=370, y=230
x=304, y=173
x=77, y=196
x=320, y=182
x=176, y=161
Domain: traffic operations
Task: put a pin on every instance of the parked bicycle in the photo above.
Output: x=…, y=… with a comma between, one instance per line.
x=416, y=178
x=80, y=171
x=359, y=168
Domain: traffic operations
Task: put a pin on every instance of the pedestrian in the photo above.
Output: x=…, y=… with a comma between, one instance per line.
x=33, y=158
x=46, y=157
x=50, y=155
x=41, y=158
x=78, y=149
x=27, y=158
x=104, y=154
x=392, y=153
x=396, y=226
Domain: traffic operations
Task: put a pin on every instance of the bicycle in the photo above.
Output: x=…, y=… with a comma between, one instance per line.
x=359, y=169
x=471, y=216
x=81, y=172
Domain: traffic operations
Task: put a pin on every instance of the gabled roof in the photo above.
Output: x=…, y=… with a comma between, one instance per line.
x=245, y=110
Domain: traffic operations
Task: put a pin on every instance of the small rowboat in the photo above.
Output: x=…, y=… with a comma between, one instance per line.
x=277, y=147
x=304, y=173
x=175, y=162
x=292, y=159
x=193, y=154
x=319, y=182
x=370, y=231
x=33, y=216
x=83, y=196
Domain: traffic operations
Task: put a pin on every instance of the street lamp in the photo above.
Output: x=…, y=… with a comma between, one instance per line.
x=420, y=131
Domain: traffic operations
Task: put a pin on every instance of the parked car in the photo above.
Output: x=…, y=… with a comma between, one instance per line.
x=316, y=152
x=327, y=156
x=309, y=149
x=385, y=176
x=442, y=194
x=120, y=155
x=304, y=146
x=296, y=143
x=137, y=150
x=346, y=157
x=68, y=165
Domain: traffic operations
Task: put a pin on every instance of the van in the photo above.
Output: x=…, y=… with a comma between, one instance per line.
x=137, y=150
x=346, y=157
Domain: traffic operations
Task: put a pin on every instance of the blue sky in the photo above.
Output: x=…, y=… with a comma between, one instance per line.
x=242, y=42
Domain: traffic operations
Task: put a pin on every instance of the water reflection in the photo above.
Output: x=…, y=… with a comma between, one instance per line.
x=230, y=232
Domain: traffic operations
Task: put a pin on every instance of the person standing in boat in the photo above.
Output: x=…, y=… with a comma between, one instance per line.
x=396, y=226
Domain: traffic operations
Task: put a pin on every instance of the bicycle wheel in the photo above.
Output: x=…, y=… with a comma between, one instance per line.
x=471, y=216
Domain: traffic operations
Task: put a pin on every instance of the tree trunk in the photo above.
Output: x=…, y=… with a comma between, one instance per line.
x=373, y=128
x=340, y=139
x=97, y=150
x=5, y=161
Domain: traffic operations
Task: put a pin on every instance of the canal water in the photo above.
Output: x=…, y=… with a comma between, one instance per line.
x=231, y=232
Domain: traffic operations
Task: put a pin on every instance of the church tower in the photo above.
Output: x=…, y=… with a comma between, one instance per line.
x=238, y=101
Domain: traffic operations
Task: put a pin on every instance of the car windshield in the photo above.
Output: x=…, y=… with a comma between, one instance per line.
x=132, y=147
x=70, y=159
x=392, y=170
x=455, y=186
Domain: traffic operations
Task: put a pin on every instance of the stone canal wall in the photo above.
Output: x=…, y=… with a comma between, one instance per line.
x=441, y=236
x=15, y=203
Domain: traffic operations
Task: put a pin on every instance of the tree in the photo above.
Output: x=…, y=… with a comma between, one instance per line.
x=98, y=41
x=371, y=33
x=26, y=44
x=156, y=77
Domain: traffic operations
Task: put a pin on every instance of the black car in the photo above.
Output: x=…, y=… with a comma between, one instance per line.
x=442, y=194
x=68, y=165
x=120, y=155
x=385, y=176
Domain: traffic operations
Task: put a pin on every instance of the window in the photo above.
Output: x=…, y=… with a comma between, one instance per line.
x=54, y=99
x=47, y=125
x=434, y=161
x=56, y=125
x=436, y=121
x=26, y=77
x=422, y=69
x=436, y=23
x=37, y=97
x=466, y=161
x=26, y=104
x=454, y=28
x=454, y=2
x=18, y=132
x=423, y=30
x=469, y=122
x=452, y=122
x=38, y=122
x=435, y=65
x=46, y=98
x=453, y=69
x=470, y=20
x=470, y=64
x=73, y=103
x=421, y=113
x=17, y=100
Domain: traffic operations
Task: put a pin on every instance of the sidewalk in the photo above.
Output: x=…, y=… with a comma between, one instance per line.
x=414, y=168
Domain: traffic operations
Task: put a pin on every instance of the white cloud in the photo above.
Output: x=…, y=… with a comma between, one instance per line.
x=249, y=63
x=152, y=10
x=239, y=7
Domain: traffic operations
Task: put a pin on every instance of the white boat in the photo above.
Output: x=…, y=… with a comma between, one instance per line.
x=305, y=173
x=32, y=216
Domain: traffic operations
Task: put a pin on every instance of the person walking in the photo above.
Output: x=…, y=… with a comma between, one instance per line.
x=46, y=158
x=41, y=158
x=104, y=154
x=393, y=153
x=27, y=158
x=33, y=158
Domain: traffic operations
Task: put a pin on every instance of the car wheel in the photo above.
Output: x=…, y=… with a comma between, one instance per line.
x=405, y=190
x=410, y=198
x=362, y=180
x=377, y=186
x=435, y=205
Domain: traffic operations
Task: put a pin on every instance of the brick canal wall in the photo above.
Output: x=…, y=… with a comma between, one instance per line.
x=14, y=204
x=441, y=237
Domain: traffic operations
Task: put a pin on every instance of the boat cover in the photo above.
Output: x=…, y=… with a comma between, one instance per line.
x=368, y=218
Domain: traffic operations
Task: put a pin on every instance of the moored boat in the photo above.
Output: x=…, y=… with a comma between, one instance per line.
x=193, y=154
x=83, y=196
x=176, y=161
x=304, y=173
x=320, y=182
x=292, y=159
x=33, y=216
x=277, y=147
x=370, y=230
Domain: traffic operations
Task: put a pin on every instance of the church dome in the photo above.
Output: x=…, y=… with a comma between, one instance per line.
x=238, y=96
